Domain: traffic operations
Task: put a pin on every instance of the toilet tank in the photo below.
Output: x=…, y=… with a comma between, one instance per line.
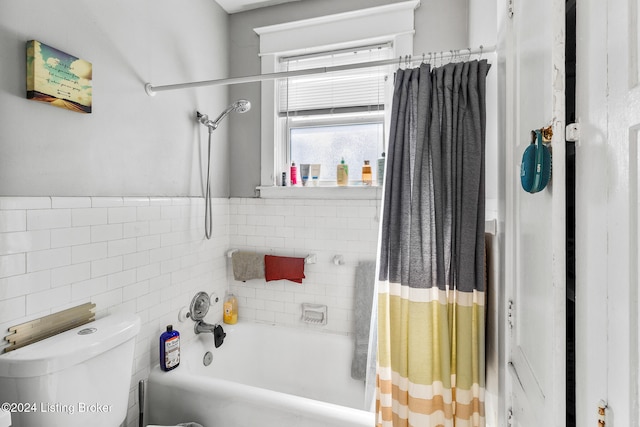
x=80, y=377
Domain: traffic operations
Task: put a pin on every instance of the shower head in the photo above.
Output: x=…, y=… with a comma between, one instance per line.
x=240, y=106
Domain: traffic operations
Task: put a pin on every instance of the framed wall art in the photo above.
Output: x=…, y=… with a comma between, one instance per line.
x=57, y=78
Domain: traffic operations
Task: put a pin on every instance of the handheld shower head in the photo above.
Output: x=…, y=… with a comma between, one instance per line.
x=240, y=106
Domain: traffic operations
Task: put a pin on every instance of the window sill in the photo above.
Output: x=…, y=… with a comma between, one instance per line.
x=322, y=192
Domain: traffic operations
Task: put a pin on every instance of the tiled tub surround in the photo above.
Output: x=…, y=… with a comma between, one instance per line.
x=299, y=227
x=148, y=256
x=139, y=255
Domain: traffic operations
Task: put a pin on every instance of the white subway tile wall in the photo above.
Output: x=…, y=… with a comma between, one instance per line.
x=148, y=256
x=141, y=255
x=299, y=227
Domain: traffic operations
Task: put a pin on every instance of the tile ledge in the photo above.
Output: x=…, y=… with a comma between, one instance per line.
x=331, y=193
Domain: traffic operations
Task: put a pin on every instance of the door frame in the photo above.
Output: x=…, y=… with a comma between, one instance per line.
x=591, y=217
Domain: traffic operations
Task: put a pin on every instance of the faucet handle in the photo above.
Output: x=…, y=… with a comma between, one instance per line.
x=218, y=335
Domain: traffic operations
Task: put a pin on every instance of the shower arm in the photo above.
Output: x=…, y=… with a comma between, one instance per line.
x=224, y=114
x=240, y=106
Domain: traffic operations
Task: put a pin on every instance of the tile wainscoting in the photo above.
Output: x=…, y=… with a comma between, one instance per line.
x=299, y=227
x=144, y=255
x=148, y=255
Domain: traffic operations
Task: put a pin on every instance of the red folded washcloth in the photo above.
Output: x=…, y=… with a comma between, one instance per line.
x=282, y=267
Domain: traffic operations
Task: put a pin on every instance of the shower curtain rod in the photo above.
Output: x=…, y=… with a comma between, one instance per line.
x=408, y=59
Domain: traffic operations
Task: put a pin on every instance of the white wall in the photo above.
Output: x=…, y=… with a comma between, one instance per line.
x=483, y=23
x=142, y=255
x=141, y=249
x=299, y=227
x=132, y=144
x=483, y=31
x=440, y=25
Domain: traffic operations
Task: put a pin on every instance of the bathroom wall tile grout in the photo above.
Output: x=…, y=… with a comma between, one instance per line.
x=140, y=255
x=297, y=227
x=147, y=255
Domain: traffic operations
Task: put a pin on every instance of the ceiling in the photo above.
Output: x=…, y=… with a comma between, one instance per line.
x=234, y=6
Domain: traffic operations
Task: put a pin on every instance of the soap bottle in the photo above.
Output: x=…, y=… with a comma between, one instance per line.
x=169, y=349
x=380, y=176
x=230, y=315
x=343, y=173
x=366, y=173
x=293, y=174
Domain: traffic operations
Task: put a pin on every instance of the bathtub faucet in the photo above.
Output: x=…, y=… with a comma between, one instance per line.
x=202, y=326
x=217, y=331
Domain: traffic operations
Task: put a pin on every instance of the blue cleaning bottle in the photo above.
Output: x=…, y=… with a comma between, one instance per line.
x=169, y=349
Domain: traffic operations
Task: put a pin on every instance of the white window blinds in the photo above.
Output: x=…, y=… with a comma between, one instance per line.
x=353, y=90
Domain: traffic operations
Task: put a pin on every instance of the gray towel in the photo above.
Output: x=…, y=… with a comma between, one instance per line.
x=247, y=266
x=364, y=286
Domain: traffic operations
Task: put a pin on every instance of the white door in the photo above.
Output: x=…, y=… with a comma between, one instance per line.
x=608, y=109
x=535, y=271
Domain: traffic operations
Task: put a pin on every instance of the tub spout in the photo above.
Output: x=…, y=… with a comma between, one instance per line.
x=216, y=330
x=201, y=327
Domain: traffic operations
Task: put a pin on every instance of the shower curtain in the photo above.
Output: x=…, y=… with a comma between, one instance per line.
x=430, y=369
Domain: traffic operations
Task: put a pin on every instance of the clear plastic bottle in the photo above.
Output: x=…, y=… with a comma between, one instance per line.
x=380, y=175
x=169, y=349
x=367, y=177
x=230, y=315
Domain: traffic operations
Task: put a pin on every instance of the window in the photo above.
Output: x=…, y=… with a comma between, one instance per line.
x=300, y=114
x=327, y=117
x=327, y=145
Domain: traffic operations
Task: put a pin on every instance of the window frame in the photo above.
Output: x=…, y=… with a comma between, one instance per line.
x=393, y=23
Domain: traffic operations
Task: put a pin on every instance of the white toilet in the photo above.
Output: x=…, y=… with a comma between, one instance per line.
x=5, y=418
x=80, y=377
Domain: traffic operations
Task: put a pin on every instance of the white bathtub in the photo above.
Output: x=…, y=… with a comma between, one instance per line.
x=263, y=375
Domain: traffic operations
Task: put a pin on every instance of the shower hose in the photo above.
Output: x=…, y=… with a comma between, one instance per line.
x=207, y=194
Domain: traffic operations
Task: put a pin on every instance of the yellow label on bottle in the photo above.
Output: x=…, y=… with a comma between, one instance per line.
x=229, y=316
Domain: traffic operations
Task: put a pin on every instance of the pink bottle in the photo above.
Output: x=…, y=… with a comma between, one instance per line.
x=294, y=174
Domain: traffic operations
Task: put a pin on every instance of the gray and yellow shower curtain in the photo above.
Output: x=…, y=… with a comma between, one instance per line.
x=431, y=284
